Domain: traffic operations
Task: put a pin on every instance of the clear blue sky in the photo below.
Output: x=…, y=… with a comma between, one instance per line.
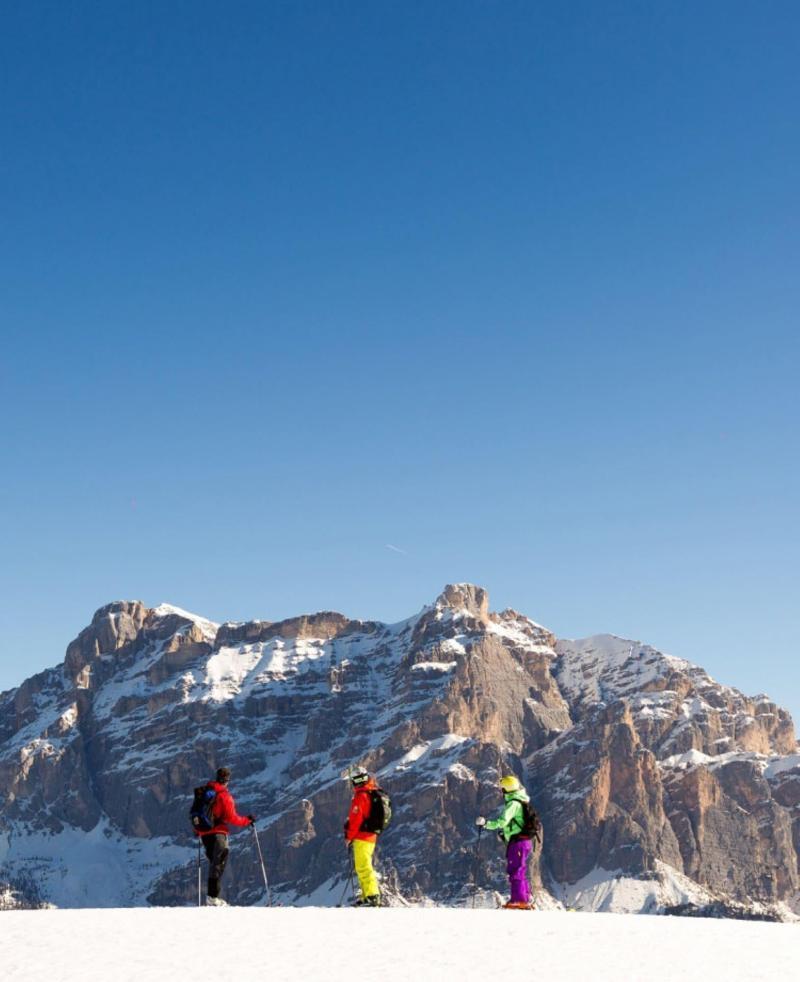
x=509, y=286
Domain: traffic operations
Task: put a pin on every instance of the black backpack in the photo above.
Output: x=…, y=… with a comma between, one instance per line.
x=202, y=811
x=531, y=825
x=380, y=812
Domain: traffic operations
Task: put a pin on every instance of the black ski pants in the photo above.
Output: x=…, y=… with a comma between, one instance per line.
x=216, y=847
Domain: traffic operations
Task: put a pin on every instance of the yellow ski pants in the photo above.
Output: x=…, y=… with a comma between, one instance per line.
x=362, y=860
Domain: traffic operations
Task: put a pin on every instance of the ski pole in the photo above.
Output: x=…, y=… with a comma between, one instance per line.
x=263, y=868
x=349, y=881
x=477, y=866
x=352, y=878
x=199, y=874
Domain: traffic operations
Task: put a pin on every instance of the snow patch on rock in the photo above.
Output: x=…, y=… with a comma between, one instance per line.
x=209, y=628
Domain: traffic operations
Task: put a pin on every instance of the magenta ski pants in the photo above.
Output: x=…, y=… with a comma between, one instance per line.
x=517, y=854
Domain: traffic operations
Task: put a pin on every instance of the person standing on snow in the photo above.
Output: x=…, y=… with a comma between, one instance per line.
x=360, y=841
x=215, y=840
x=517, y=827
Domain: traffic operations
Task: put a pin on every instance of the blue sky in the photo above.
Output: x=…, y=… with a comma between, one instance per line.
x=509, y=287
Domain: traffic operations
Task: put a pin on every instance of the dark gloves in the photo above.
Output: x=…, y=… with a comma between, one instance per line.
x=251, y=819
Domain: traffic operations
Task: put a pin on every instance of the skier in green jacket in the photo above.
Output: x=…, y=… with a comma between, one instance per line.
x=517, y=831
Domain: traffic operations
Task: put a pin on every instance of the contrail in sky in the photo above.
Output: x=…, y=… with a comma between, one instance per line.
x=395, y=549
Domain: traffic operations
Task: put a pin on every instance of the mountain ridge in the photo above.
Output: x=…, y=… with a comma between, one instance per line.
x=639, y=762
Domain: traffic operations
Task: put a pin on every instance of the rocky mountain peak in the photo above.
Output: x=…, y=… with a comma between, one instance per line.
x=465, y=596
x=113, y=627
x=117, y=623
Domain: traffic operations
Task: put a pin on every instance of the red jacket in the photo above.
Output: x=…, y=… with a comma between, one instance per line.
x=359, y=810
x=224, y=811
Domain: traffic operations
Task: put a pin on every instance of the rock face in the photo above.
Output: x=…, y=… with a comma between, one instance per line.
x=653, y=782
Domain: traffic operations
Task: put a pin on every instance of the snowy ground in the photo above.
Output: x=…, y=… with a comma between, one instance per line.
x=155, y=944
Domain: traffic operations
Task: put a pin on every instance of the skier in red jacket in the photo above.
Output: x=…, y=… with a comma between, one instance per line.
x=215, y=840
x=361, y=841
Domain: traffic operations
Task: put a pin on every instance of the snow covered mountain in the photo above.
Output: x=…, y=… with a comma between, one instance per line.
x=658, y=788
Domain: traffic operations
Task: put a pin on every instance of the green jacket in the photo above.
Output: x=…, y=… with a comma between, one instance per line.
x=513, y=817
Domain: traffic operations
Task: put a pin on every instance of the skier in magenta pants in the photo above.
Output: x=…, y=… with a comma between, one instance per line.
x=517, y=827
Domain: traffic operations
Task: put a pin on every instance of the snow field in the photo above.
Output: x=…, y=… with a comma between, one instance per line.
x=395, y=944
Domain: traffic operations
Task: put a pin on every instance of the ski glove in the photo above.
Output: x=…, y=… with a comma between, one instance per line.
x=480, y=821
x=251, y=819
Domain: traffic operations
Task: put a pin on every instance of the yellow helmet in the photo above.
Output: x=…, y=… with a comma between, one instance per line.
x=510, y=783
